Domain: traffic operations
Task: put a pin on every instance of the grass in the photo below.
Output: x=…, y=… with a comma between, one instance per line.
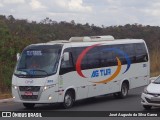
x=5, y=95
x=155, y=63
x=155, y=74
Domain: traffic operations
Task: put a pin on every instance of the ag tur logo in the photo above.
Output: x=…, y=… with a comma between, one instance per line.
x=102, y=72
x=29, y=81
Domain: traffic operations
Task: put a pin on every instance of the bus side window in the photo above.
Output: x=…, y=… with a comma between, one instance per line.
x=106, y=57
x=92, y=59
x=141, y=53
x=67, y=66
x=116, y=54
x=129, y=49
x=89, y=61
x=76, y=52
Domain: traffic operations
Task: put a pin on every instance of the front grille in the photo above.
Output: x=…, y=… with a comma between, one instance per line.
x=150, y=101
x=29, y=88
x=36, y=90
x=32, y=97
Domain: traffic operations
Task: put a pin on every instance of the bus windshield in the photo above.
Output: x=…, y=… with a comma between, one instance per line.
x=38, y=61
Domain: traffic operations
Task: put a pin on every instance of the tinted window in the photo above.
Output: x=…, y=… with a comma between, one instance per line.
x=122, y=51
x=90, y=60
x=117, y=53
x=141, y=53
x=67, y=66
x=76, y=51
x=106, y=56
x=130, y=51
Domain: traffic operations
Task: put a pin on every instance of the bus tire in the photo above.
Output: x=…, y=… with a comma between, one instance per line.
x=123, y=93
x=68, y=100
x=29, y=105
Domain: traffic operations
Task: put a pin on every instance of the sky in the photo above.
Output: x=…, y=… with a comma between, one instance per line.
x=97, y=12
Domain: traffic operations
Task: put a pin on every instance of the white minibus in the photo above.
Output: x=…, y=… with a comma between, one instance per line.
x=83, y=67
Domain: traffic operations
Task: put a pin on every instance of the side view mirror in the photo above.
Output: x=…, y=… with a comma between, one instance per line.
x=18, y=56
x=66, y=56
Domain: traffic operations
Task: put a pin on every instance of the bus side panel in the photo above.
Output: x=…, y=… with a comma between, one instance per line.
x=97, y=89
x=93, y=79
x=141, y=76
x=142, y=67
x=82, y=92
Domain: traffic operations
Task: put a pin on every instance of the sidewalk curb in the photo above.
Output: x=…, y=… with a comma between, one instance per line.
x=6, y=100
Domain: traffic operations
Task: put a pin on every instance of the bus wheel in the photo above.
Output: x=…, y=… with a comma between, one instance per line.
x=68, y=100
x=147, y=107
x=123, y=93
x=29, y=105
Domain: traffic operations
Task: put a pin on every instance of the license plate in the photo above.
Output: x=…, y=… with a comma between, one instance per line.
x=28, y=93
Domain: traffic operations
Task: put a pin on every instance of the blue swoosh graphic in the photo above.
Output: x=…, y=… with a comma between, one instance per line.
x=121, y=53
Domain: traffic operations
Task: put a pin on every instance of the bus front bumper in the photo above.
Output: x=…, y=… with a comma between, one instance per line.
x=34, y=96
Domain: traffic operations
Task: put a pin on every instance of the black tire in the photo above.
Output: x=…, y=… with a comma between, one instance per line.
x=123, y=93
x=147, y=107
x=68, y=100
x=29, y=105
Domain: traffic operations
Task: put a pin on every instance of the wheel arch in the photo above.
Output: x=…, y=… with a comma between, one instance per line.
x=72, y=89
x=127, y=82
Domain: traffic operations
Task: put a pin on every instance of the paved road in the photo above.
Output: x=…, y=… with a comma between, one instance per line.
x=102, y=103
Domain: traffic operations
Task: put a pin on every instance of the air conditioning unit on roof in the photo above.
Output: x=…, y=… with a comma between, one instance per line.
x=92, y=38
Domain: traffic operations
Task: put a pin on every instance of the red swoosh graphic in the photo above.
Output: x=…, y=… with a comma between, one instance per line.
x=80, y=58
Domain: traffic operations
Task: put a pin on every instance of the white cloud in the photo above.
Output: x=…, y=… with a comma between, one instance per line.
x=61, y=3
x=155, y=9
x=12, y=11
x=73, y=5
x=1, y=5
x=77, y=5
x=35, y=4
x=13, y=1
x=98, y=12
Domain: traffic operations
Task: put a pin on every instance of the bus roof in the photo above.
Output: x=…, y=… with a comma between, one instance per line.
x=86, y=41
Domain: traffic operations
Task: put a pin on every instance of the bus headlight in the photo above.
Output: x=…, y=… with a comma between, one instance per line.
x=48, y=87
x=15, y=87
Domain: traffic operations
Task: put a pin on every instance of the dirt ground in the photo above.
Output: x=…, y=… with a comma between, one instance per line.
x=5, y=95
